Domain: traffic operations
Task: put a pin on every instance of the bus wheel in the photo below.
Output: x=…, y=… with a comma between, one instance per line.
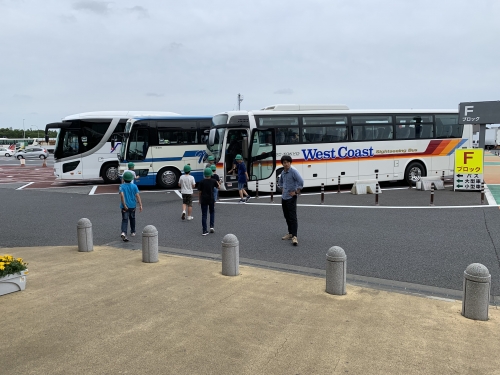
x=167, y=178
x=414, y=171
x=278, y=173
x=110, y=173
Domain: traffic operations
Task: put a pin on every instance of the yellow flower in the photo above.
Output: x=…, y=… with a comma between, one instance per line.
x=2, y=267
x=20, y=260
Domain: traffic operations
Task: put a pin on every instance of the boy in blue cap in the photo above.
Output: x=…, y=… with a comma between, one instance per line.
x=129, y=196
x=206, y=200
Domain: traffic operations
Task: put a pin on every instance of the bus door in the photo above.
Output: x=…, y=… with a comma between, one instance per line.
x=236, y=143
x=141, y=154
x=262, y=159
x=70, y=149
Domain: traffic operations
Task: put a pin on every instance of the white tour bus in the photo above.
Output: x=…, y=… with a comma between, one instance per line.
x=160, y=147
x=328, y=141
x=83, y=148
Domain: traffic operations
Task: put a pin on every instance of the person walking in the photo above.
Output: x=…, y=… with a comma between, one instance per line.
x=206, y=200
x=187, y=184
x=290, y=183
x=129, y=197
x=215, y=177
x=131, y=167
x=242, y=179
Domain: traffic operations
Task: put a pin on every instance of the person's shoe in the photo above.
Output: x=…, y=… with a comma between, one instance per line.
x=124, y=237
x=132, y=234
x=248, y=198
x=190, y=218
x=212, y=230
x=287, y=237
x=205, y=233
x=183, y=215
x=295, y=242
x=242, y=201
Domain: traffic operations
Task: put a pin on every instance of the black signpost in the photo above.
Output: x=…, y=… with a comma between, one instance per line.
x=481, y=113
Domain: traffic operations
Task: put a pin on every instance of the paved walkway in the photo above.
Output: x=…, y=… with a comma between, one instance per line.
x=492, y=174
x=106, y=312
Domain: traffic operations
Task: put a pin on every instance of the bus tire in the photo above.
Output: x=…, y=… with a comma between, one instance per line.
x=278, y=173
x=109, y=173
x=414, y=171
x=168, y=178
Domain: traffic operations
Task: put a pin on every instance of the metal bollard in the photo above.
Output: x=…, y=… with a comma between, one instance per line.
x=44, y=162
x=377, y=187
x=149, y=244
x=23, y=162
x=85, y=238
x=482, y=192
x=338, y=186
x=336, y=271
x=322, y=193
x=230, y=255
x=476, y=297
x=432, y=194
x=257, y=189
x=272, y=197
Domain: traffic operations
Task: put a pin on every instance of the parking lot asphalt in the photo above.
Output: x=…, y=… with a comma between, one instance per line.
x=107, y=312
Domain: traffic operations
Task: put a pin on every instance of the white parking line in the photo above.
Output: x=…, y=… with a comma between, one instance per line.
x=179, y=194
x=92, y=191
x=22, y=187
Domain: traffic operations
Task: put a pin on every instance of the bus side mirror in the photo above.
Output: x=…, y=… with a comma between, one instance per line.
x=47, y=138
x=211, y=137
x=113, y=141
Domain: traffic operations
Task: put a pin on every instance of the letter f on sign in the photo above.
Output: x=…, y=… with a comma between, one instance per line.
x=467, y=155
x=468, y=108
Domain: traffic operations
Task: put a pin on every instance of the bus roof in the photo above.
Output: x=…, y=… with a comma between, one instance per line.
x=172, y=117
x=304, y=107
x=114, y=114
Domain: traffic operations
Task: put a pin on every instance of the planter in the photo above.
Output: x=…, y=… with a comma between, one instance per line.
x=13, y=282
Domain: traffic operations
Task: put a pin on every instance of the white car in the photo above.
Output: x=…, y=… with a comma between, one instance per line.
x=6, y=151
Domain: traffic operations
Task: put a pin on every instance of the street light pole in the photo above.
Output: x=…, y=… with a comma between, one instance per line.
x=24, y=131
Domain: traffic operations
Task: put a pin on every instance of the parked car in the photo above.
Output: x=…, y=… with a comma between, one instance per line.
x=6, y=151
x=32, y=152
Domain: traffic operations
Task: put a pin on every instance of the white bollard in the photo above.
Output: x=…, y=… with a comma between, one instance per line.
x=84, y=232
x=150, y=244
x=230, y=255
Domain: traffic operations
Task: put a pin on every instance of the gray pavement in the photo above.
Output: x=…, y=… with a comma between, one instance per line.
x=106, y=312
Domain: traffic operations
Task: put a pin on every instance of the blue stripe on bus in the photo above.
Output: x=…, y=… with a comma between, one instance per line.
x=457, y=146
x=150, y=179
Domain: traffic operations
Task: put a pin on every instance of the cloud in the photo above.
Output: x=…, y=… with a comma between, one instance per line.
x=141, y=12
x=67, y=19
x=21, y=97
x=284, y=92
x=174, y=46
x=154, y=94
x=99, y=7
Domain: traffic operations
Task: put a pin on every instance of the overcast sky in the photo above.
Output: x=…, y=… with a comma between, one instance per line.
x=61, y=57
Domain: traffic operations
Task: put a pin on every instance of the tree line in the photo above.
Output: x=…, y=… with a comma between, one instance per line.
x=19, y=133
